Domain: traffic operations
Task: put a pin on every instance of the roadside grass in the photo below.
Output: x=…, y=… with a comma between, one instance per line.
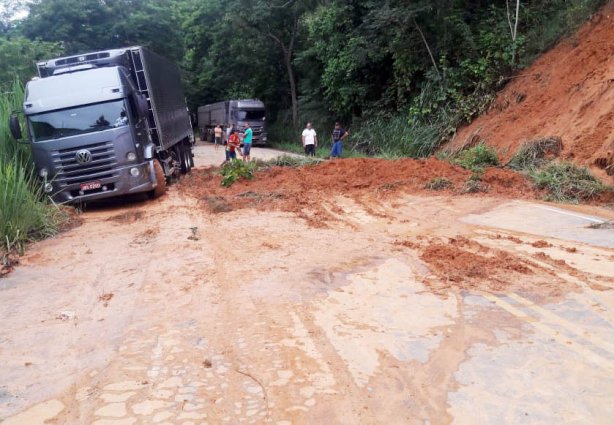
x=25, y=213
x=566, y=182
x=397, y=136
x=322, y=151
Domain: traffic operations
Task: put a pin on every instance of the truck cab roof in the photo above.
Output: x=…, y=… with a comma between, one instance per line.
x=71, y=89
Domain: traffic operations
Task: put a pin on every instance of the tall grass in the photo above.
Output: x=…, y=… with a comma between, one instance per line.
x=25, y=214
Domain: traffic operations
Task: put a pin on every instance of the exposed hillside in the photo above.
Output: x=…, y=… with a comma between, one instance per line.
x=567, y=93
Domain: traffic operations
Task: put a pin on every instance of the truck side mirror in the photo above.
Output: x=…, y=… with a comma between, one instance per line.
x=15, y=127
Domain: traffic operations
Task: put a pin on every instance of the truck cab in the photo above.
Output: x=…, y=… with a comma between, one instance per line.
x=107, y=123
x=89, y=136
x=236, y=114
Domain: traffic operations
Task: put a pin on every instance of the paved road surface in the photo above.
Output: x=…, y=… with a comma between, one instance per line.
x=206, y=154
x=161, y=313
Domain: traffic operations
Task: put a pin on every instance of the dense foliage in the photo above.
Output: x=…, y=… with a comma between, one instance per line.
x=401, y=74
x=24, y=212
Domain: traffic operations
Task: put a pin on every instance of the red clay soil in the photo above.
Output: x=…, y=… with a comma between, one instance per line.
x=465, y=264
x=297, y=189
x=568, y=92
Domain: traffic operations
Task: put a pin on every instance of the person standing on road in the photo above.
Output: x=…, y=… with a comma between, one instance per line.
x=228, y=130
x=247, y=142
x=337, y=137
x=310, y=140
x=232, y=146
x=218, y=136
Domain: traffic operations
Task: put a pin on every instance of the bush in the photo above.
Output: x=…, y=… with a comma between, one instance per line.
x=566, y=182
x=476, y=158
x=236, y=170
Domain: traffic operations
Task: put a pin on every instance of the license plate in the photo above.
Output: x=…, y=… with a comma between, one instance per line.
x=90, y=186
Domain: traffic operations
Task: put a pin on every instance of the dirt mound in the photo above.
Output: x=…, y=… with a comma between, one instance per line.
x=466, y=264
x=567, y=93
x=299, y=189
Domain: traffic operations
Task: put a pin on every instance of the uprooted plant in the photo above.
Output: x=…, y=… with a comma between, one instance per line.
x=566, y=182
x=476, y=158
x=536, y=153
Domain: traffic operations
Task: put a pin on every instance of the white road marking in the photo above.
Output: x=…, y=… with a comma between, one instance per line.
x=556, y=210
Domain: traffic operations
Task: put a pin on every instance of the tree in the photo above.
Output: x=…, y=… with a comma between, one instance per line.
x=514, y=27
x=278, y=22
x=82, y=25
x=18, y=57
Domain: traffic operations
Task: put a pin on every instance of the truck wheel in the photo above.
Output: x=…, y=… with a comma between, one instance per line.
x=179, y=157
x=187, y=152
x=160, y=179
x=183, y=158
x=188, y=147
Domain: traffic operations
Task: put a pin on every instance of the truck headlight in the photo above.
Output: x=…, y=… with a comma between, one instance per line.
x=135, y=172
x=43, y=173
x=130, y=156
x=48, y=188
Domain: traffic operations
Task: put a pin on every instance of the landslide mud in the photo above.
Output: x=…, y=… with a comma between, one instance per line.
x=567, y=93
x=298, y=190
x=460, y=263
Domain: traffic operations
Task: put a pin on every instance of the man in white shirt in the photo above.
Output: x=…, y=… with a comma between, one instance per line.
x=310, y=140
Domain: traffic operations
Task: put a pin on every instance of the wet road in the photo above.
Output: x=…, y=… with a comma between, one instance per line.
x=161, y=313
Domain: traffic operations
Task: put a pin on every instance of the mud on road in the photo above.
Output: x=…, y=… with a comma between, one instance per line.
x=350, y=306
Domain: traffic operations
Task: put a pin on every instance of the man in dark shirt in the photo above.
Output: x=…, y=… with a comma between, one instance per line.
x=338, y=135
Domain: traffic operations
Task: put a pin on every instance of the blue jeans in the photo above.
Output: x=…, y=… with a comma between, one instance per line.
x=247, y=147
x=337, y=149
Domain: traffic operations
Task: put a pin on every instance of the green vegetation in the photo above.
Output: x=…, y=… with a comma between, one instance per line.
x=534, y=154
x=476, y=158
x=439, y=183
x=236, y=170
x=474, y=183
x=401, y=76
x=566, y=182
x=288, y=161
x=24, y=213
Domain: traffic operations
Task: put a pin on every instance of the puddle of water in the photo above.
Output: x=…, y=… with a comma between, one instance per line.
x=383, y=309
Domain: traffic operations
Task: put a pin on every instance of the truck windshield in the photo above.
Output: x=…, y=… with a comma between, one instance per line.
x=250, y=115
x=74, y=121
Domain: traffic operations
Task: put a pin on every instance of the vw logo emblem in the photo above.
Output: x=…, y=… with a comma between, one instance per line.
x=83, y=156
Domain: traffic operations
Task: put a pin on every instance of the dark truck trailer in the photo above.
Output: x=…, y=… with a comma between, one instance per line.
x=235, y=114
x=107, y=123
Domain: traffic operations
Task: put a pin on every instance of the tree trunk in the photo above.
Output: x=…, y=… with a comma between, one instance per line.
x=291, y=80
x=288, y=52
x=428, y=49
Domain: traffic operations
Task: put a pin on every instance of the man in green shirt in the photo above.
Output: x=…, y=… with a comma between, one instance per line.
x=247, y=142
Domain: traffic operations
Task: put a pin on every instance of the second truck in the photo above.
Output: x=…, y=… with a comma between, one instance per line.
x=107, y=123
x=235, y=114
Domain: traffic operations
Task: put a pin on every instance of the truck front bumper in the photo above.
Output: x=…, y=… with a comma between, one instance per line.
x=124, y=181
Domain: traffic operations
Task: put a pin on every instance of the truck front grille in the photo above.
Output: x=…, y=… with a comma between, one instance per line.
x=69, y=171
